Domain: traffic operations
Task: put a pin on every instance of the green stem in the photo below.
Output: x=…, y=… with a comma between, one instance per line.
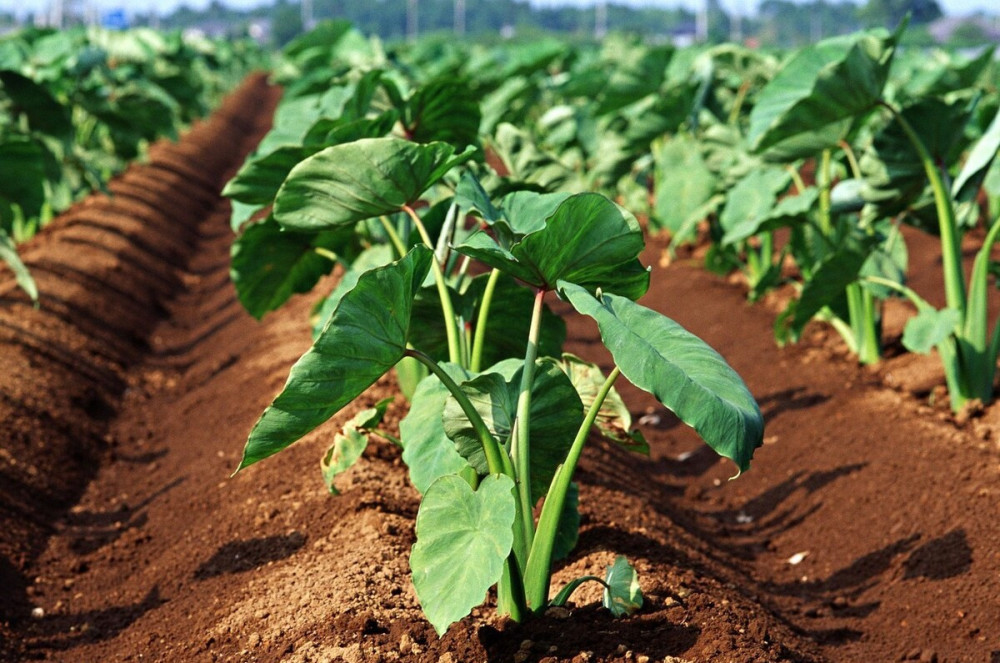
x=394, y=238
x=538, y=573
x=864, y=328
x=823, y=179
x=521, y=438
x=496, y=459
x=852, y=160
x=800, y=184
x=951, y=250
x=447, y=309
x=326, y=253
x=741, y=95
x=482, y=319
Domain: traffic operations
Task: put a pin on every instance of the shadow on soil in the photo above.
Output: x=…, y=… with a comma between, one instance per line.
x=92, y=530
x=65, y=631
x=590, y=629
x=238, y=556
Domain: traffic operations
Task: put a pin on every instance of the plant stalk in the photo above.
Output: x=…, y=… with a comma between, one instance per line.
x=447, y=309
x=538, y=572
x=397, y=242
x=823, y=179
x=475, y=365
x=521, y=438
x=951, y=250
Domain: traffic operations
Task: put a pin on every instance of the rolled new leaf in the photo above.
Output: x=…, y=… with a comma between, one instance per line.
x=463, y=538
x=364, y=338
x=686, y=375
x=347, y=183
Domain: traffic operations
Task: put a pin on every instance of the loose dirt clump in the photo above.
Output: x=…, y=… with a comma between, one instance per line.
x=865, y=530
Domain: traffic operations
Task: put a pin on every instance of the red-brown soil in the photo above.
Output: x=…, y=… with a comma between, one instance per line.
x=129, y=393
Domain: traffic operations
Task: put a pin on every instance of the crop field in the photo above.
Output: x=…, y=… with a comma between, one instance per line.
x=536, y=352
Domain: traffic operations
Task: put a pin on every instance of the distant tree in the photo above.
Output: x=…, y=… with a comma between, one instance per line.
x=889, y=13
x=286, y=22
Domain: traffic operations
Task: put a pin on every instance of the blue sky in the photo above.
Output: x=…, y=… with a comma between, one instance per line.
x=959, y=7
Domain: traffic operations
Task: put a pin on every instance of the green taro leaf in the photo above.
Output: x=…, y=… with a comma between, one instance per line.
x=366, y=336
x=686, y=375
x=427, y=450
x=443, y=109
x=587, y=240
x=928, y=328
x=463, y=539
x=980, y=159
x=259, y=179
x=751, y=202
x=44, y=113
x=614, y=421
x=347, y=183
x=683, y=184
x=556, y=414
x=815, y=98
x=8, y=254
x=22, y=173
x=828, y=283
x=622, y=595
x=350, y=443
x=894, y=175
x=269, y=264
x=372, y=257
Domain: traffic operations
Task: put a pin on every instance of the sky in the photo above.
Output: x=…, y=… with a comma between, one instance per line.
x=951, y=7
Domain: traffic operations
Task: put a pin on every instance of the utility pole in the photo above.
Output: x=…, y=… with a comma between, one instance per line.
x=411, y=19
x=601, y=19
x=701, y=23
x=308, y=22
x=736, y=24
x=460, y=17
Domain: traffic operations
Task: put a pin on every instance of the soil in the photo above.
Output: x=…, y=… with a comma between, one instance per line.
x=866, y=530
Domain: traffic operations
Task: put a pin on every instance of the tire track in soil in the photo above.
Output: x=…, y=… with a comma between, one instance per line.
x=107, y=270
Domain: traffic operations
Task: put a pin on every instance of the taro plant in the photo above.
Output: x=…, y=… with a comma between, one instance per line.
x=814, y=107
x=960, y=331
x=486, y=446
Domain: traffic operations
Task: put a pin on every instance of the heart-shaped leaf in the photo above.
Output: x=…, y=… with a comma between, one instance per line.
x=750, y=203
x=686, y=375
x=928, y=328
x=683, y=183
x=427, y=450
x=622, y=595
x=364, y=338
x=347, y=183
x=463, y=539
